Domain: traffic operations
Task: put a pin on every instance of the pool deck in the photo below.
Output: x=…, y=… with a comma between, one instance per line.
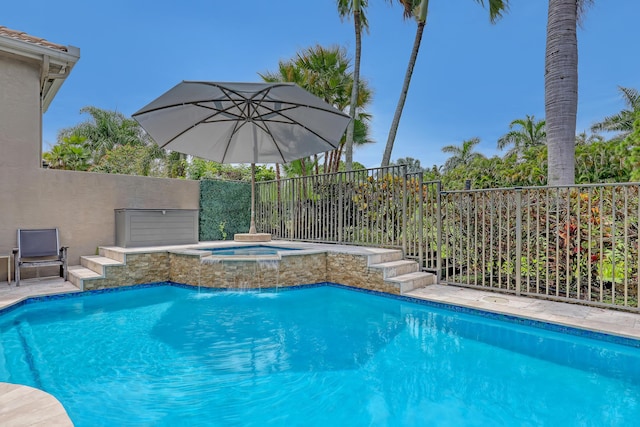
x=26, y=406
x=597, y=319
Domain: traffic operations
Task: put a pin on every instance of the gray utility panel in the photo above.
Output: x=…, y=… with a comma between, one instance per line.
x=156, y=227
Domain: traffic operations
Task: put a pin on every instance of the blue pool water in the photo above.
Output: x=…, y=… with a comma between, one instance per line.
x=318, y=356
x=249, y=250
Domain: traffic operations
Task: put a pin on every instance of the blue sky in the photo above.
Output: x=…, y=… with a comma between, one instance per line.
x=471, y=79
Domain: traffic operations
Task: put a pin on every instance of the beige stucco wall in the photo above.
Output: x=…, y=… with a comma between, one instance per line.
x=20, y=118
x=80, y=204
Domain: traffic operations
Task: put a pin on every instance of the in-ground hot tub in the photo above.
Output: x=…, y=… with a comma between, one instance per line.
x=249, y=266
x=249, y=250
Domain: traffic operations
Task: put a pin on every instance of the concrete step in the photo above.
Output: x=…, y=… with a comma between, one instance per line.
x=411, y=281
x=385, y=255
x=77, y=274
x=396, y=268
x=110, y=253
x=97, y=263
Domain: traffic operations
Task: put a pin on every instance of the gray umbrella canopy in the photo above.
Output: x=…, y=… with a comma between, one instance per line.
x=243, y=123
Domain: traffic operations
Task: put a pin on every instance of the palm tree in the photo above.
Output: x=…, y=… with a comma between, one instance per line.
x=106, y=130
x=461, y=155
x=523, y=133
x=346, y=8
x=623, y=121
x=300, y=167
x=70, y=154
x=633, y=142
x=584, y=139
x=413, y=165
x=561, y=88
x=55, y=157
x=418, y=9
x=325, y=73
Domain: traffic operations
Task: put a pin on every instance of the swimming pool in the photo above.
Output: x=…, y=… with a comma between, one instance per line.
x=249, y=250
x=326, y=355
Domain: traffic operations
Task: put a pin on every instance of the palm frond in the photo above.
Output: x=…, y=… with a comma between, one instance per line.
x=496, y=9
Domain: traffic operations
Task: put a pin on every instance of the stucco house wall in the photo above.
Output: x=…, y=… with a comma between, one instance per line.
x=20, y=117
x=80, y=204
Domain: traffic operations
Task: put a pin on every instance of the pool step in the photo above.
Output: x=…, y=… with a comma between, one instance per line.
x=110, y=253
x=385, y=255
x=410, y=281
x=403, y=274
x=396, y=268
x=98, y=263
x=91, y=267
x=78, y=273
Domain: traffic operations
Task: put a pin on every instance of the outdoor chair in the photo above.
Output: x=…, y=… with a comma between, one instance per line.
x=39, y=248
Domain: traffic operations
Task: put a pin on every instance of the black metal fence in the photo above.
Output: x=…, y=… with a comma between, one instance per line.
x=568, y=243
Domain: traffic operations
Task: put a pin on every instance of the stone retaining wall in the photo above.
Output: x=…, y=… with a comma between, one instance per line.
x=196, y=269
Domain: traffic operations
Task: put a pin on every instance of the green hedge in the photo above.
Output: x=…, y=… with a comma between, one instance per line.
x=225, y=209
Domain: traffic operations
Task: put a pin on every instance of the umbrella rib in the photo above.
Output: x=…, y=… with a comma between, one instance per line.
x=249, y=110
x=266, y=129
x=295, y=122
x=236, y=126
x=293, y=106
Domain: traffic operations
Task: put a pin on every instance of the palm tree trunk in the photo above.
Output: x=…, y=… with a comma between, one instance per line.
x=561, y=90
x=332, y=160
x=336, y=160
x=386, y=158
x=354, y=90
x=303, y=167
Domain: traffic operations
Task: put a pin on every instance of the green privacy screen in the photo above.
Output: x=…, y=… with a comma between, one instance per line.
x=225, y=209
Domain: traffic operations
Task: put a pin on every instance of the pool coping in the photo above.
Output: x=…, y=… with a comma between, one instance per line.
x=301, y=248
x=21, y=405
x=209, y=254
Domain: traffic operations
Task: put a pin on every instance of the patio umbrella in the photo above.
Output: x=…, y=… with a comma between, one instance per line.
x=243, y=123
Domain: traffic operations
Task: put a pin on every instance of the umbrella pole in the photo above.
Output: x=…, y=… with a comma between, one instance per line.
x=252, y=227
x=252, y=236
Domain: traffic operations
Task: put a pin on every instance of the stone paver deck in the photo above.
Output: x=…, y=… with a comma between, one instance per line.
x=27, y=406
x=12, y=294
x=585, y=317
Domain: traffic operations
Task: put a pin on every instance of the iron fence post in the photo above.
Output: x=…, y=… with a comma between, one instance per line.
x=404, y=209
x=293, y=208
x=421, y=203
x=438, y=231
x=518, y=240
x=340, y=206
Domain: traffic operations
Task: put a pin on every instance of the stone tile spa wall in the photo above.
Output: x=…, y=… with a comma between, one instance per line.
x=192, y=269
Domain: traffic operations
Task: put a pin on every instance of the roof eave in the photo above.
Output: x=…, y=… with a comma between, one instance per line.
x=64, y=61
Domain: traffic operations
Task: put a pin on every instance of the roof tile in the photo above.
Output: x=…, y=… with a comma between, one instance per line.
x=22, y=36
